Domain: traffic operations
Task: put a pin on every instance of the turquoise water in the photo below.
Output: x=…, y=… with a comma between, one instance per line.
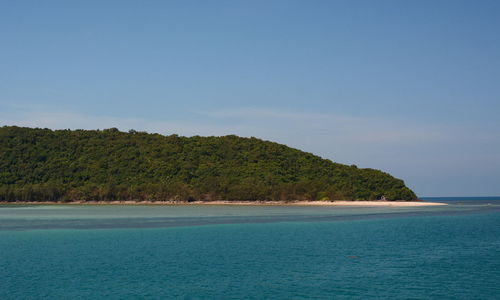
x=234, y=252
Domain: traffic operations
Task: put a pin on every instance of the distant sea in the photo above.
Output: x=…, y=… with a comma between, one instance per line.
x=464, y=200
x=251, y=252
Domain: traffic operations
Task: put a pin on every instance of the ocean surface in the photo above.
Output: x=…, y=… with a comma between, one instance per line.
x=251, y=252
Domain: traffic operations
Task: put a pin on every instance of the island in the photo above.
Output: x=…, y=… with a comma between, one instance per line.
x=110, y=166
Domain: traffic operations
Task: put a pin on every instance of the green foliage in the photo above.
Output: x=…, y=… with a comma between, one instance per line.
x=104, y=165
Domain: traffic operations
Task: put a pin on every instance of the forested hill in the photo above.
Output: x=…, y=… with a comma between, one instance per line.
x=105, y=165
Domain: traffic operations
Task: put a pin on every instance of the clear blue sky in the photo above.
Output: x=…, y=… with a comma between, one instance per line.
x=409, y=87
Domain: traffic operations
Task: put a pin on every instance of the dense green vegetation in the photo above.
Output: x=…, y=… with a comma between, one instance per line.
x=105, y=165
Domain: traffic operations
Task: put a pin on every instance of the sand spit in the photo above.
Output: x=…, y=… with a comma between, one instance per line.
x=248, y=203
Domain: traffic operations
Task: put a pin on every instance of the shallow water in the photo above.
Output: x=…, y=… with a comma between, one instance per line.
x=29, y=217
x=239, y=252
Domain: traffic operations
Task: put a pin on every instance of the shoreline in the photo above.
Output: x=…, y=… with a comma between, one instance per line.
x=240, y=203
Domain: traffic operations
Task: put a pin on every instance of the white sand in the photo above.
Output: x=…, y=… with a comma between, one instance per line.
x=263, y=203
x=323, y=203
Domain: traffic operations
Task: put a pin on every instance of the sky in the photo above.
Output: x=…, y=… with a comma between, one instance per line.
x=408, y=87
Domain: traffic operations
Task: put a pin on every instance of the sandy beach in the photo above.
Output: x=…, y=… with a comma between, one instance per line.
x=249, y=203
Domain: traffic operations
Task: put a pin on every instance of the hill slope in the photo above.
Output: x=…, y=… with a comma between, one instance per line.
x=65, y=165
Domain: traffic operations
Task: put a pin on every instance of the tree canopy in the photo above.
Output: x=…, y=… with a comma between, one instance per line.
x=103, y=165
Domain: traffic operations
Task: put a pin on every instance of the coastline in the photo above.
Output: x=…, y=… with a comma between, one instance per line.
x=240, y=203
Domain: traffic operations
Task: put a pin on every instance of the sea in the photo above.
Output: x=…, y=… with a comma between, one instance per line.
x=251, y=252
